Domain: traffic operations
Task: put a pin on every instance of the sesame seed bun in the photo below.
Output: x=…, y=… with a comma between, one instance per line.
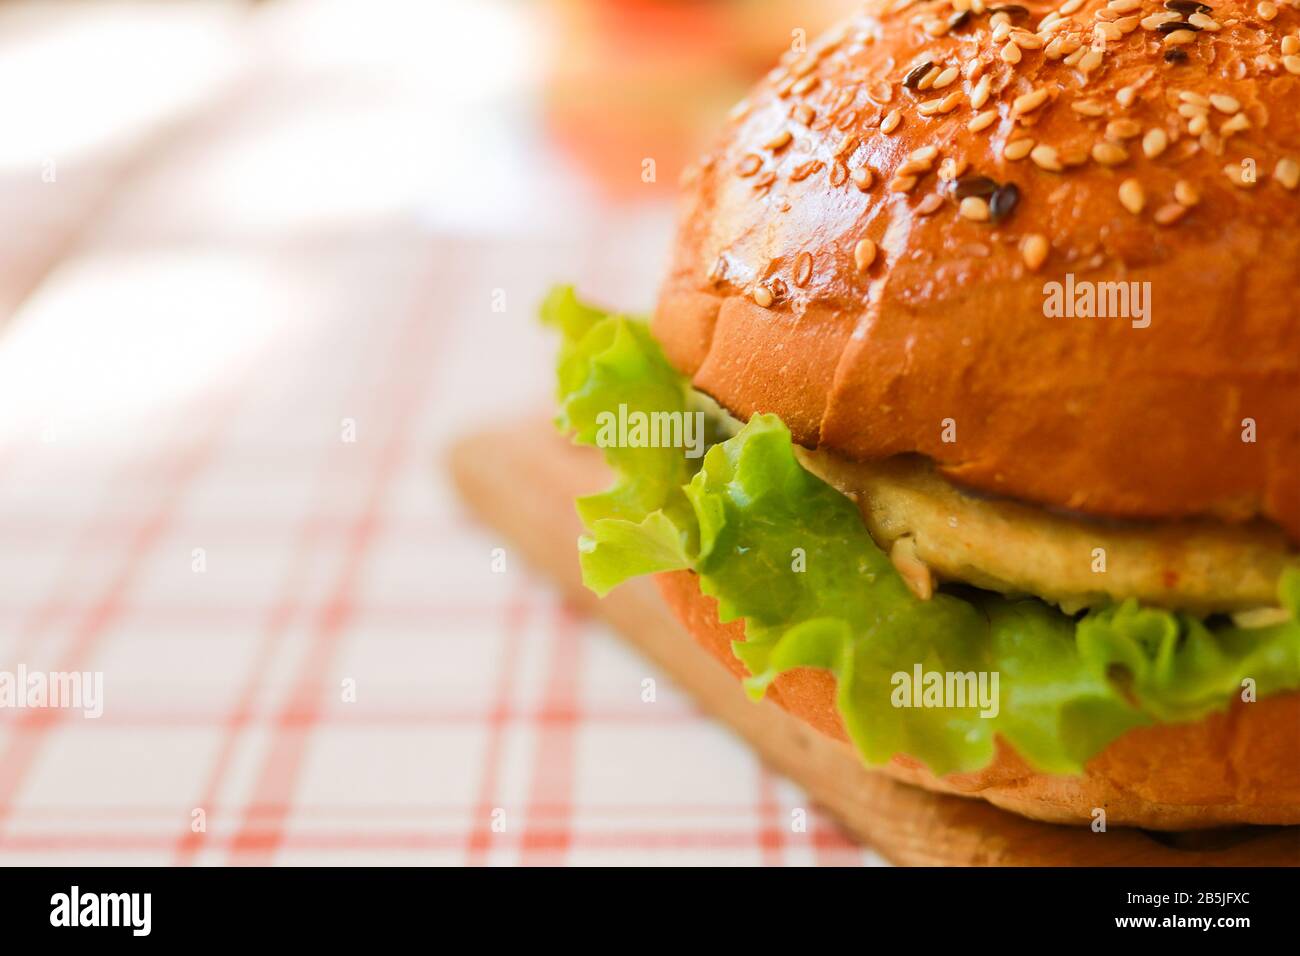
x=1242, y=766
x=860, y=256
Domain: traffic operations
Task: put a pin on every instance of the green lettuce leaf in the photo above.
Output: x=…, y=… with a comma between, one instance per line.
x=790, y=555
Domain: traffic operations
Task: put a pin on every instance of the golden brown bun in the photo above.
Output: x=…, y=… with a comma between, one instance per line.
x=948, y=321
x=1242, y=766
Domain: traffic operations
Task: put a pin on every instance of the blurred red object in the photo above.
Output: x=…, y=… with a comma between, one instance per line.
x=634, y=80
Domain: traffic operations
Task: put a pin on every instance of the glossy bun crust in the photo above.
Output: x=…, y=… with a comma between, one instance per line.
x=1242, y=766
x=1139, y=168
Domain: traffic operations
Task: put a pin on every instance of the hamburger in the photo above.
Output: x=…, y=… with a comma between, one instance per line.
x=967, y=426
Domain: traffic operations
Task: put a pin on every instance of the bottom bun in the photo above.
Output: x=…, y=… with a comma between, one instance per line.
x=1239, y=766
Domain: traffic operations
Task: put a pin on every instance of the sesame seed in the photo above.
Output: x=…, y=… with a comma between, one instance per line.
x=862, y=178
x=804, y=170
x=1176, y=55
x=804, y=85
x=1198, y=124
x=1126, y=96
x=1195, y=99
x=936, y=28
x=1204, y=22
x=765, y=180
x=1132, y=196
x=881, y=91
x=979, y=95
x=1026, y=40
x=1003, y=201
x=802, y=269
x=1072, y=155
x=1292, y=64
x=1123, y=128
x=950, y=169
x=779, y=141
x=1266, y=10
x=1029, y=102
x=1124, y=6
x=1045, y=157
x=1127, y=25
x=929, y=204
x=1186, y=6
x=1018, y=149
x=945, y=105
x=946, y=78
x=845, y=146
x=1073, y=58
x=927, y=81
x=1236, y=124
x=1088, y=107
x=1108, y=31
x=926, y=154
x=1224, y=103
x=1109, y=154
x=1179, y=38
x=974, y=208
x=803, y=113
x=1155, y=19
x=902, y=184
x=763, y=296
x=982, y=121
x=749, y=165
x=1069, y=7
x=1010, y=54
x=1001, y=31
x=891, y=121
x=1034, y=249
x=916, y=74
x=804, y=66
x=1170, y=213
x=974, y=185
x=1287, y=172
x=1089, y=61
x=1186, y=193
x=1235, y=173
x=839, y=173
x=864, y=253
x=1290, y=45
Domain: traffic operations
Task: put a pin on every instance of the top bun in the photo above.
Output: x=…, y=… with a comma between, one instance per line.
x=829, y=271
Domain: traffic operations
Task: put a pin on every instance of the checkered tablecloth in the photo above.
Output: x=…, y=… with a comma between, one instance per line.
x=226, y=386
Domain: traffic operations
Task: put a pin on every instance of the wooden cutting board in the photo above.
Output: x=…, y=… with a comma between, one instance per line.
x=522, y=479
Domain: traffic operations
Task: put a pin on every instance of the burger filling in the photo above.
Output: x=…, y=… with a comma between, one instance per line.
x=871, y=571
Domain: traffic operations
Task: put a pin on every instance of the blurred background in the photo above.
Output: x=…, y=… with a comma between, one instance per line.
x=262, y=262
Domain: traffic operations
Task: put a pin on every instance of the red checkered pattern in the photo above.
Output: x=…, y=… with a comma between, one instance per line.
x=302, y=635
